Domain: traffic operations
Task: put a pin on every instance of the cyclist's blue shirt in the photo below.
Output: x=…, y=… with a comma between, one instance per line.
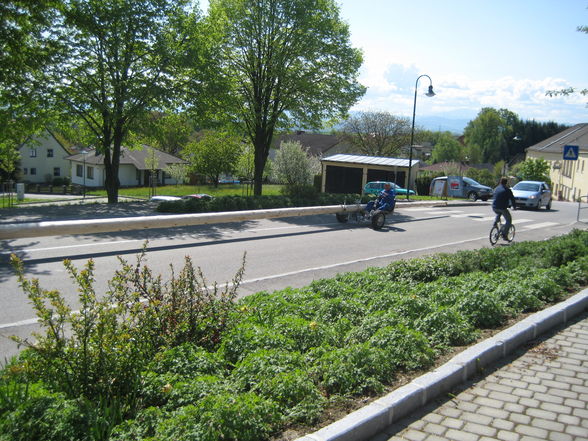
x=503, y=197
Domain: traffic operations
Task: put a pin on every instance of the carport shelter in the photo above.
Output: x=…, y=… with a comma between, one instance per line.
x=349, y=173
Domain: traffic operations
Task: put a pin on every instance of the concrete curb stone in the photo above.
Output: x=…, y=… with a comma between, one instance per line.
x=368, y=421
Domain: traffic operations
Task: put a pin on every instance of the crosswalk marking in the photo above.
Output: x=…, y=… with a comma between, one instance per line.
x=479, y=217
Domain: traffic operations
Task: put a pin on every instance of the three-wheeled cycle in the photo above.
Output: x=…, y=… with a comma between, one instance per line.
x=376, y=216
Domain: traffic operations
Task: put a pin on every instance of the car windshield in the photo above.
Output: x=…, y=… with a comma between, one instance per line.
x=526, y=186
x=470, y=181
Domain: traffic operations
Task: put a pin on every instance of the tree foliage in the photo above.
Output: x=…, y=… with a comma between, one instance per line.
x=377, y=133
x=214, y=154
x=533, y=170
x=285, y=62
x=168, y=132
x=294, y=166
x=22, y=56
x=447, y=148
x=486, y=135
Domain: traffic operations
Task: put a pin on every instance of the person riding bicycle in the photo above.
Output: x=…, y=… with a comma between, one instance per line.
x=503, y=197
x=385, y=201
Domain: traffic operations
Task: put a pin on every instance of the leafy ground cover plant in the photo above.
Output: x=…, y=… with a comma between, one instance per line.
x=211, y=367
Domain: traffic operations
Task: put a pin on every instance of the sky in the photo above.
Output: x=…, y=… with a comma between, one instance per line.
x=478, y=53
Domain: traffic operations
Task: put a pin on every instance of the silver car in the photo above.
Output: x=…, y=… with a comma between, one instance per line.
x=532, y=194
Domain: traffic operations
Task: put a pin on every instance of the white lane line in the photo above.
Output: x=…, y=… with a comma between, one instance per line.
x=32, y=250
x=472, y=215
x=541, y=225
x=305, y=270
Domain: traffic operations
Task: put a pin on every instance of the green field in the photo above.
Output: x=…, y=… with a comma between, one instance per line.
x=182, y=190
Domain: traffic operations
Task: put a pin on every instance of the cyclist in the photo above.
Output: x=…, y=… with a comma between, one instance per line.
x=503, y=197
x=385, y=201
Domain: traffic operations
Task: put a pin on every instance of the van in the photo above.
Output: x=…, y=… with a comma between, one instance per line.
x=459, y=187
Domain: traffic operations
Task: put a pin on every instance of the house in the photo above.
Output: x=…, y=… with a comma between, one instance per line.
x=43, y=159
x=568, y=166
x=349, y=173
x=87, y=167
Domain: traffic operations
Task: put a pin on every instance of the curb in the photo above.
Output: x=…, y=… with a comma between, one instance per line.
x=368, y=421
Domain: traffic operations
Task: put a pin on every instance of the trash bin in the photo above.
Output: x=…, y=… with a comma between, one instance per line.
x=20, y=191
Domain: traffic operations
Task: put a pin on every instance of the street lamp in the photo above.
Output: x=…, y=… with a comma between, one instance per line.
x=430, y=93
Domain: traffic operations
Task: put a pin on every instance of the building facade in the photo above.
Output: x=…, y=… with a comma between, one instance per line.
x=567, y=155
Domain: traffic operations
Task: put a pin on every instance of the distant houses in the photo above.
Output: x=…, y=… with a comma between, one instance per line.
x=46, y=160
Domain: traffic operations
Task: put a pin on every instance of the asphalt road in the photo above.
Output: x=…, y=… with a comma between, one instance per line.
x=279, y=252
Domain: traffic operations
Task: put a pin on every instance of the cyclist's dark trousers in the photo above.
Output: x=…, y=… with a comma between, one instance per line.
x=507, y=219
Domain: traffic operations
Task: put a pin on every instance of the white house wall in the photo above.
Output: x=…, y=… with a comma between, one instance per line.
x=42, y=165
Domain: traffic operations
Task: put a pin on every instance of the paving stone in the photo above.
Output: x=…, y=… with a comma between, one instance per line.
x=459, y=435
x=531, y=398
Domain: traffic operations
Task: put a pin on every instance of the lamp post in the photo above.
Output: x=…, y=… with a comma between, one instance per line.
x=430, y=93
x=84, y=153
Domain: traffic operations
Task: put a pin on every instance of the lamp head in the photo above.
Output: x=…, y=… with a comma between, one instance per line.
x=430, y=93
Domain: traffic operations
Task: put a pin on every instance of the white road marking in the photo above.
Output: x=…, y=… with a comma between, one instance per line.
x=541, y=225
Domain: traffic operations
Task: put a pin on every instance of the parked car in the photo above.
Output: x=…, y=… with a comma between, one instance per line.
x=459, y=187
x=375, y=187
x=532, y=194
x=162, y=198
x=202, y=196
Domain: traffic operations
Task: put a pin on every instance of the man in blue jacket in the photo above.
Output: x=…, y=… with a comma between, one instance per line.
x=385, y=201
x=503, y=197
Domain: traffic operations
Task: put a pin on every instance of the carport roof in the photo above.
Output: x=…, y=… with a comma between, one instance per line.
x=370, y=160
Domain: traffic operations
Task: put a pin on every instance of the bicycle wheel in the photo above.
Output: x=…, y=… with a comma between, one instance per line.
x=511, y=233
x=378, y=220
x=494, y=234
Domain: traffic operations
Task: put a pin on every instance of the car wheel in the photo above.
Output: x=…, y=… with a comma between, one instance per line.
x=484, y=199
x=473, y=196
x=548, y=206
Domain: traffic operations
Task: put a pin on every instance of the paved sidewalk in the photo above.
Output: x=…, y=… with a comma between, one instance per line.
x=538, y=393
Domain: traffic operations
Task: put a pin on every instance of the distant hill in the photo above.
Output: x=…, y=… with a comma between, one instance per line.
x=437, y=123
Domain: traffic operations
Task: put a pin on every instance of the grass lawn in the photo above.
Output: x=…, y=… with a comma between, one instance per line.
x=182, y=190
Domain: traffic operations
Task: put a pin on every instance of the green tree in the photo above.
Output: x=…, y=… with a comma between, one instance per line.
x=22, y=55
x=214, y=154
x=532, y=170
x=486, y=134
x=447, y=148
x=286, y=62
x=294, y=166
x=377, y=133
x=179, y=172
x=168, y=132
x=118, y=61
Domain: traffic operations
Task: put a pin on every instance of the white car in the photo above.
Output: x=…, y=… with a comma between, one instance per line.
x=532, y=194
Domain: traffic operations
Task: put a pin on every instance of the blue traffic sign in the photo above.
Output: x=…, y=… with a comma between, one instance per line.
x=570, y=152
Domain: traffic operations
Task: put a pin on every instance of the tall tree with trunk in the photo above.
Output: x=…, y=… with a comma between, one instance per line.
x=119, y=60
x=377, y=133
x=287, y=62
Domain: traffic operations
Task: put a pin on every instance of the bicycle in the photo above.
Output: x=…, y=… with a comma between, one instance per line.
x=495, y=233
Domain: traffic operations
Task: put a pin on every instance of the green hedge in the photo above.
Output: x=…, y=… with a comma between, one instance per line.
x=236, y=203
x=283, y=358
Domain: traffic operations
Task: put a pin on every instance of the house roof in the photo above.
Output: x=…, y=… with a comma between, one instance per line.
x=133, y=157
x=317, y=143
x=575, y=135
x=370, y=160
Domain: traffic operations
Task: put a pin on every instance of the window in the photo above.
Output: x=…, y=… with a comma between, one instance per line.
x=50, y=153
x=33, y=153
x=33, y=171
x=79, y=170
x=90, y=173
x=25, y=171
x=56, y=171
